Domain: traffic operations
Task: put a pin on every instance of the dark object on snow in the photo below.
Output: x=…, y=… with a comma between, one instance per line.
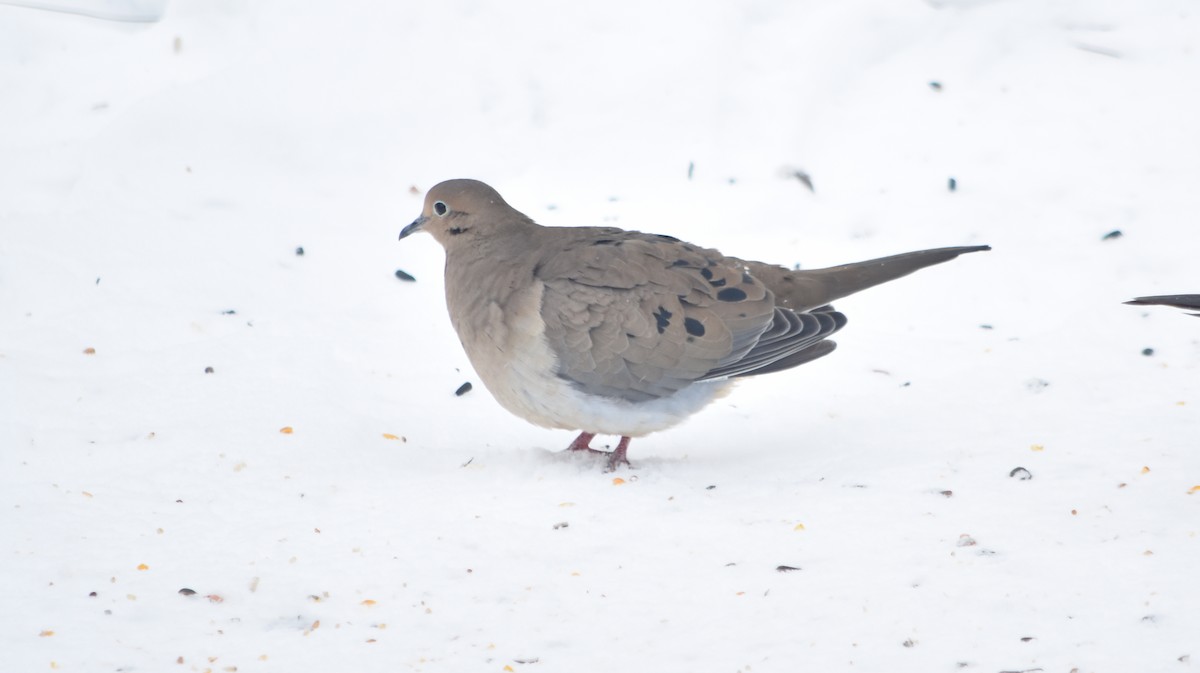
x=785, y=569
x=229, y=312
x=1037, y=385
x=404, y=275
x=935, y=85
x=208, y=370
x=1147, y=352
x=952, y=184
x=463, y=389
x=187, y=592
x=805, y=179
x=300, y=252
x=1021, y=473
x=1185, y=301
x=1112, y=235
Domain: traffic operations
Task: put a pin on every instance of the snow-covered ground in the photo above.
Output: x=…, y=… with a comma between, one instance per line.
x=156, y=180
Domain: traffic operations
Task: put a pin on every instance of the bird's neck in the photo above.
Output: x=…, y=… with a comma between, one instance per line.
x=510, y=256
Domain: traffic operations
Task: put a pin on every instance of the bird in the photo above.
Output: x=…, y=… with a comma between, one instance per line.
x=600, y=330
x=1184, y=301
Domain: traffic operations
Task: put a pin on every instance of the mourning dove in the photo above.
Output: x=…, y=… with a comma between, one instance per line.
x=1186, y=301
x=606, y=331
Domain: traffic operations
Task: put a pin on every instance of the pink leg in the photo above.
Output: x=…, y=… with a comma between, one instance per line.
x=583, y=443
x=615, y=459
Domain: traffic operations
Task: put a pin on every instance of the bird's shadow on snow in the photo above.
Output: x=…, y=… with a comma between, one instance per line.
x=542, y=462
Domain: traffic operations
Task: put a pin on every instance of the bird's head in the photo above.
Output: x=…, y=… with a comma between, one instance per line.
x=458, y=212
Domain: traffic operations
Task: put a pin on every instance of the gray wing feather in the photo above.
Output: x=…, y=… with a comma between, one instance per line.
x=638, y=316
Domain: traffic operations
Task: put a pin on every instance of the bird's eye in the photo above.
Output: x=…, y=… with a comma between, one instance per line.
x=440, y=208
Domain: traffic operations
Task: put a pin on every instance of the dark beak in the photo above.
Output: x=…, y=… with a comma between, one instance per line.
x=413, y=228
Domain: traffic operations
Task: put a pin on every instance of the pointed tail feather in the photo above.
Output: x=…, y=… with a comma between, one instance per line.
x=806, y=290
x=1186, y=301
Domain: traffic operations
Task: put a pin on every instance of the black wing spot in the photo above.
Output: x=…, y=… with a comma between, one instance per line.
x=663, y=317
x=720, y=282
x=667, y=238
x=732, y=294
x=707, y=273
x=693, y=327
x=604, y=241
x=680, y=262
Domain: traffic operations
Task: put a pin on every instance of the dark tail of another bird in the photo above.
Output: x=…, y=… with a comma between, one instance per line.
x=1186, y=301
x=806, y=290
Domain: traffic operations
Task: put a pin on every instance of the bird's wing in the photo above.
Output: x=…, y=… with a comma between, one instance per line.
x=637, y=316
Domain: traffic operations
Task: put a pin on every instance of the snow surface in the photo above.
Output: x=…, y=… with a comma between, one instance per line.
x=156, y=180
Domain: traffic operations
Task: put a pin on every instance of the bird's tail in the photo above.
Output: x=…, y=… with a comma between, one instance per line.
x=1186, y=301
x=806, y=290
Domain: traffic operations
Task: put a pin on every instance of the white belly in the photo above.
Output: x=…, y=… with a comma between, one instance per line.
x=518, y=368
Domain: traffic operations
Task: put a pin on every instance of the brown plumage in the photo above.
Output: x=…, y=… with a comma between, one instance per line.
x=603, y=330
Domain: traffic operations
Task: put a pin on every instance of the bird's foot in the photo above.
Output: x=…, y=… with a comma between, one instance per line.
x=616, y=458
